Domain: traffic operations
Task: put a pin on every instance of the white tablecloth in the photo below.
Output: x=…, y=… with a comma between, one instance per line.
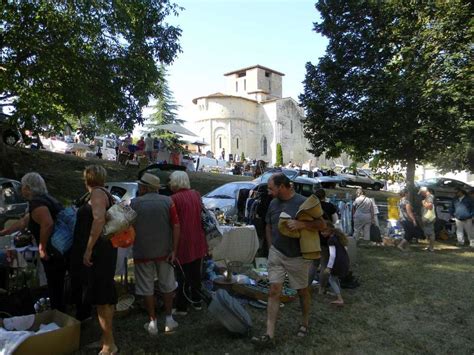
x=238, y=244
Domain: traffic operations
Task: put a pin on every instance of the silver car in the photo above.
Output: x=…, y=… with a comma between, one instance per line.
x=359, y=177
x=224, y=197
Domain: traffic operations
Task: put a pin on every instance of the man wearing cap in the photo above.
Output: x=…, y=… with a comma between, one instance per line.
x=156, y=242
x=428, y=226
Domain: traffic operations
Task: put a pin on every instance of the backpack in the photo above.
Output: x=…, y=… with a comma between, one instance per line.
x=63, y=233
x=228, y=311
x=61, y=239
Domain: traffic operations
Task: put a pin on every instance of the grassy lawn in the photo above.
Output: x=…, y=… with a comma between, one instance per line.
x=415, y=302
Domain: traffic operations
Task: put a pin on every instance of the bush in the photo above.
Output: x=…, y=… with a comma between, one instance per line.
x=279, y=155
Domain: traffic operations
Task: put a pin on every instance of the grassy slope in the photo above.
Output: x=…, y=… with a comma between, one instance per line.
x=63, y=174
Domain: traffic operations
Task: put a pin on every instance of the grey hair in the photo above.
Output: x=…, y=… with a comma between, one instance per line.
x=360, y=192
x=35, y=183
x=179, y=180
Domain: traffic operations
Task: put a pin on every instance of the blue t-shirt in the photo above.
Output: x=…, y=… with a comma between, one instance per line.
x=286, y=245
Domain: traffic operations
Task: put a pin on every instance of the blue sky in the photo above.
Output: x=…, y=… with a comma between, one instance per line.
x=223, y=35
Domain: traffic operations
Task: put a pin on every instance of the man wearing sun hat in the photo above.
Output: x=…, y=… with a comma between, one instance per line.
x=156, y=242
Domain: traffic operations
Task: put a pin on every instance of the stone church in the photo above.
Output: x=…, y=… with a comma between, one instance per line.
x=252, y=117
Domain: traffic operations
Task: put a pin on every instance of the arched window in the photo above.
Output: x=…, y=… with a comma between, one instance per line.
x=237, y=142
x=220, y=142
x=264, y=145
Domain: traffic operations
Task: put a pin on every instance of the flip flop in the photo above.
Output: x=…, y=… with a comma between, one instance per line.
x=257, y=304
x=337, y=304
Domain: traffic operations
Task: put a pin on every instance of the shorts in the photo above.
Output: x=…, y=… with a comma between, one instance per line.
x=280, y=265
x=428, y=229
x=145, y=274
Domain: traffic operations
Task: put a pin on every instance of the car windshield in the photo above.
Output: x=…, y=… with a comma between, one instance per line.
x=290, y=173
x=228, y=190
x=428, y=182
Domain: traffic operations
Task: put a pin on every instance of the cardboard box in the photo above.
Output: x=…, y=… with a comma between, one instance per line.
x=60, y=341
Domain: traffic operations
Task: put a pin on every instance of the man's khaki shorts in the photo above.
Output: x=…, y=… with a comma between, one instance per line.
x=145, y=274
x=297, y=269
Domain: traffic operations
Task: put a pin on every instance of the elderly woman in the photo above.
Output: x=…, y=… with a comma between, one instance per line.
x=42, y=211
x=192, y=241
x=93, y=258
x=363, y=214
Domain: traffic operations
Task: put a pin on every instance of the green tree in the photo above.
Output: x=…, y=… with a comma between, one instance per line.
x=242, y=156
x=279, y=155
x=394, y=84
x=166, y=107
x=96, y=59
x=165, y=112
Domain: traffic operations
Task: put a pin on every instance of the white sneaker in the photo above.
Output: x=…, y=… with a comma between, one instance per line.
x=170, y=325
x=151, y=327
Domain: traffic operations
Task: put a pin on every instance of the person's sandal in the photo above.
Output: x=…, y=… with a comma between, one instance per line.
x=302, y=331
x=337, y=303
x=263, y=341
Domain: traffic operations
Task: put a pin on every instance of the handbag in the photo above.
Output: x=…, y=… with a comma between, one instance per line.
x=119, y=217
x=375, y=235
x=428, y=216
x=123, y=239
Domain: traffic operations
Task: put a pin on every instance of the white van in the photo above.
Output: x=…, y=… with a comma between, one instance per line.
x=107, y=147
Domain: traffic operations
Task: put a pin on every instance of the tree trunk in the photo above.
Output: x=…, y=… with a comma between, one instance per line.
x=3, y=158
x=410, y=178
x=6, y=165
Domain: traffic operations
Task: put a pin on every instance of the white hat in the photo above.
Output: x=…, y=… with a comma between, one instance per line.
x=148, y=179
x=423, y=189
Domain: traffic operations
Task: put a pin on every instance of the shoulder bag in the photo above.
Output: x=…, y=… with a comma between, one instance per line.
x=428, y=216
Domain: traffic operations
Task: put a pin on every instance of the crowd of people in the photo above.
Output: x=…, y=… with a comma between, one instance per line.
x=420, y=223
x=170, y=245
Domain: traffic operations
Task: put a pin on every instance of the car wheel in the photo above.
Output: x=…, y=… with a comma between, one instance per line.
x=342, y=184
x=10, y=137
x=377, y=187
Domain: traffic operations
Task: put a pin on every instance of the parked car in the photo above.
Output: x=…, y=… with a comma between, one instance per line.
x=106, y=146
x=360, y=177
x=224, y=197
x=123, y=191
x=306, y=186
x=291, y=173
x=58, y=145
x=324, y=181
x=12, y=204
x=443, y=187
